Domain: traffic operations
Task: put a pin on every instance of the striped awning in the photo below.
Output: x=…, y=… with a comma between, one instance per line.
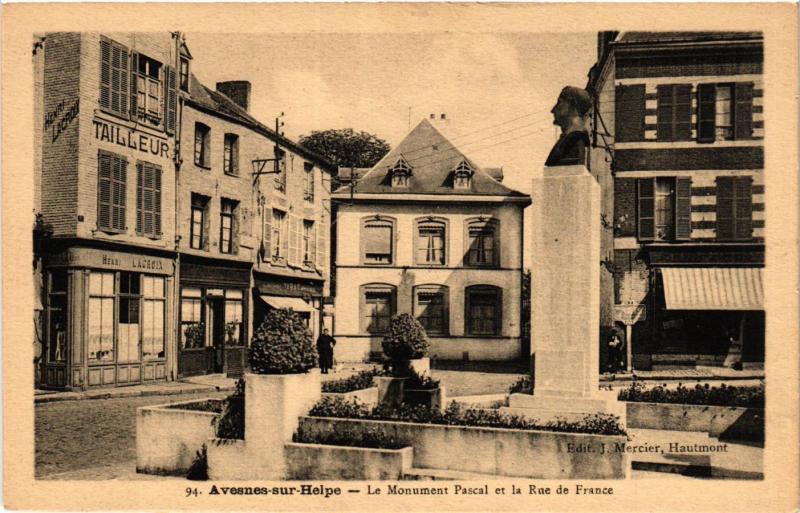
x=295, y=303
x=713, y=288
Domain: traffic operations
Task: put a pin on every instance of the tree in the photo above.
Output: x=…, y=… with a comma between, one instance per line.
x=346, y=148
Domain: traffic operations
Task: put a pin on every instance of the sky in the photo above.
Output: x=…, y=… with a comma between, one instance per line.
x=496, y=89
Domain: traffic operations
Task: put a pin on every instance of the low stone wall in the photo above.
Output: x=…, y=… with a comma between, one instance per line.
x=228, y=460
x=724, y=422
x=501, y=452
x=331, y=462
x=168, y=438
x=368, y=396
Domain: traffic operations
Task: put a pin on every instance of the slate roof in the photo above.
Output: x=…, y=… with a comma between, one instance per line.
x=211, y=100
x=685, y=37
x=432, y=158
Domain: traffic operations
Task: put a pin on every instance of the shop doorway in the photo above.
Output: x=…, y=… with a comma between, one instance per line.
x=216, y=312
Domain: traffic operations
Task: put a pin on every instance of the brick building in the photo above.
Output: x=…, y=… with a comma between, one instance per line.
x=149, y=254
x=428, y=232
x=678, y=127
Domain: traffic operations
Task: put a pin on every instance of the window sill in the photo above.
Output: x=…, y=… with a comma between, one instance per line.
x=110, y=231
x=428, y=264
x=150, y=236
x=232, y=175
x=277, y=261
x=377, y=264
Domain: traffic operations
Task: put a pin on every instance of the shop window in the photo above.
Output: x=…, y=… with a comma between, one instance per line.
x=57, y=315
x=664, y=212
x=128, y=327
x=230, y=164
x=199, y=226
x=154, y=298
x=377, y=240
x=734, y=208
x=184, y=72
x=431, y=308
x=148, y=199
x=202, y=138
x=114, y=79
x=101, y=317
x=674, y=112
x=308, y=182
x=309, y=243
x=149, y=90
x=233, y=317
x=192, y=325
x=279, y=237
x=227, y=242
x=482, y=239
x=431, y=242
x=483, y=310
x=377, y=307
x=111, y=180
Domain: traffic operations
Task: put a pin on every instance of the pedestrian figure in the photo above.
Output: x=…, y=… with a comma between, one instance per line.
x=325, y=344
x=615, y=344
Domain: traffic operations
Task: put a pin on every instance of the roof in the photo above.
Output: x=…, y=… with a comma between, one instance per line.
x=685, y=37
x=432, y=158
x=215, y=102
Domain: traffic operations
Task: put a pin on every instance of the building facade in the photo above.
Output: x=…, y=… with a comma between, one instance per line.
x=152, y=258
x=428, y=232
x=678, y=123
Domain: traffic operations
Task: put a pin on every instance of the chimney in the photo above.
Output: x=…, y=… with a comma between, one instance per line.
x=236, y=90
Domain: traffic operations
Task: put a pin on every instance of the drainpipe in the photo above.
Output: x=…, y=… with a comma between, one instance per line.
x=177, y=160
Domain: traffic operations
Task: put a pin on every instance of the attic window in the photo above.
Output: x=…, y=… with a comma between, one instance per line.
x=400, y=173
x=462, y=175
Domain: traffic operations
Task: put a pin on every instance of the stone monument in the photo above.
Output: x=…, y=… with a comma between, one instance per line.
x=565, y=278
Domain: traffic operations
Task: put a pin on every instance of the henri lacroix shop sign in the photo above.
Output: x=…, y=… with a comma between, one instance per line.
x=129, y=138
x=101, y=259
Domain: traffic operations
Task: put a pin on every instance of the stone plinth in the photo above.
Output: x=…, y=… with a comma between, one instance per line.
x=565, y=282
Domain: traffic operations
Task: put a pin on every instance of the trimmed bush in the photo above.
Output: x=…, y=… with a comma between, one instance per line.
x=231, y=422
x=358, y=381
x=724, y=395
x=455, y=415
x=406, y=340
x=282, y=345
x=522, y=386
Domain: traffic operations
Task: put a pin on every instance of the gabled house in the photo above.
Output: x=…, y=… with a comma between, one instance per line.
x=428, y=232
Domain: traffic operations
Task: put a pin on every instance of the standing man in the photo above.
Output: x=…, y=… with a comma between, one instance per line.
x=615, y=352
x=325, y=344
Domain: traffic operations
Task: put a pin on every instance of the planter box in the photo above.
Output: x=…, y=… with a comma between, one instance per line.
x=435, y=398
x=390, y=389
x=724, y=422
x=367, y=396
x=333, y=462
x=228, y=460
x=168, y=438
x=500, y=452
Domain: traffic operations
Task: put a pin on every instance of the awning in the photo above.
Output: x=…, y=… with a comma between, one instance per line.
x=713, y=288
x=295, y=303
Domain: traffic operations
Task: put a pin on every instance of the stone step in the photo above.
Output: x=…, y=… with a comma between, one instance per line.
x=437, y=474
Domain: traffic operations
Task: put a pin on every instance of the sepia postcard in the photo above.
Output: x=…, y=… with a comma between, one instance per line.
x=400, y=256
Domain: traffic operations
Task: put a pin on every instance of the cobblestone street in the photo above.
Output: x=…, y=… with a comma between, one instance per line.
x=77, y=435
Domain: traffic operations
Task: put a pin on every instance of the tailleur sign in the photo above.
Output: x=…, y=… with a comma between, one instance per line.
x=129, y=138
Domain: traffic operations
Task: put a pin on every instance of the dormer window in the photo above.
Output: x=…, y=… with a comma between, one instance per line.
x=462, y=175
x=400, y=172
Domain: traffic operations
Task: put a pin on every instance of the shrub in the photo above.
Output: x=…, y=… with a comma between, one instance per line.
x=406, y=340
x=349, y=436
x=231, y=422
x=455, y=415
x=724, y=395
x=282, y=345
x=198, y=471
x=209, y=405
x=357, y=381
x=423, y=382
x=522, y=386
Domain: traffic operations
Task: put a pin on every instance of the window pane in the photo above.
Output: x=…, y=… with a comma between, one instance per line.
x=57, y=345
x=233, y=293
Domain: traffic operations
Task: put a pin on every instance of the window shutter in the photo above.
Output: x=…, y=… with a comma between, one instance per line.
x=157, y=201
x=664, y=127
x=322, y=240
x=134, y=92
x=172, y=99
x=286, y=230
x=683, y=208
x=266, y=236
x=743, y=213
x=629, y=113
x=235, y=228
x=683, y=112
x=104, y=191
x=105, y=73
x=647, y=208
x=725, y=206
x=743, y=110
x=706, y=112
x=119, y=171
x=378, y=239
x=140, y=198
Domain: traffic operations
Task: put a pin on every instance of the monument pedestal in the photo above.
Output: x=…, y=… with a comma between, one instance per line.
x=565, y=297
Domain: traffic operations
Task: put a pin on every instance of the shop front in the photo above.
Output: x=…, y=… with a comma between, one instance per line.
x=107, y=314
x=213, y=317
x=303, y=295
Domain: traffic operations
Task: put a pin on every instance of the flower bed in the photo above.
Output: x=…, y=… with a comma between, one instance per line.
x=724, y=395
x=455, y=415
x=522, y=386
x=209, y=405
x=358, y=381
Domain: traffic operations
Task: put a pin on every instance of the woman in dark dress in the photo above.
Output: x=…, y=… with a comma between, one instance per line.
x=325, y=344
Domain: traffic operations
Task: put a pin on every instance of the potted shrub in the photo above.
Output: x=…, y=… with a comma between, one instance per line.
x=283, y=384
x=422, y=390
x=405, y=346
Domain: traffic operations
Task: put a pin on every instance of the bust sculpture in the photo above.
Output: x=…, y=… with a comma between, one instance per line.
x=570, y=113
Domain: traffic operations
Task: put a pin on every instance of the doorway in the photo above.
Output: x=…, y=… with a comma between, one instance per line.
x=216, y=313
